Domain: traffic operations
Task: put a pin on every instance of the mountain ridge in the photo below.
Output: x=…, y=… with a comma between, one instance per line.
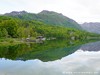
x=93, y=27
x=48, y=17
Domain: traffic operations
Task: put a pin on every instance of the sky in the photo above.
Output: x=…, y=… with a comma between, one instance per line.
x=79, y=10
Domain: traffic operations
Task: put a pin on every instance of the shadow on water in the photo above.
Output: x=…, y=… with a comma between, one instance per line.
x=48, y=51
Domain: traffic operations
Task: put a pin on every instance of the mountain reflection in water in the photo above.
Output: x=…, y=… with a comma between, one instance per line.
x=48, y=51
x=50, y=58
x=95, y=46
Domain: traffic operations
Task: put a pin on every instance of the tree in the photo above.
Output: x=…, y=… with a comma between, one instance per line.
x=3, y=32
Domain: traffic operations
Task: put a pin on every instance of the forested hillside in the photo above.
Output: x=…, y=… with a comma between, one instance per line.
x=17, y=28
x=48, y=17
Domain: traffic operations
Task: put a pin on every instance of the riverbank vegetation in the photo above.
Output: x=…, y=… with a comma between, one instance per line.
x=14, y=30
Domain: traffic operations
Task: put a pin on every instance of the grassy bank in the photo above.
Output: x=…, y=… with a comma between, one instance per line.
x=9, y=41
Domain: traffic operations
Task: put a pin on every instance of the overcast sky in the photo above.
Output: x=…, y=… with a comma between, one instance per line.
x=79, y=10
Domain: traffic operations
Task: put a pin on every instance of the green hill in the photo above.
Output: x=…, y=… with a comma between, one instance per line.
x=48, y=17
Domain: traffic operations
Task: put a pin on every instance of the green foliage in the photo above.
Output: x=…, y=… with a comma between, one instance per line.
x=10, y=25
x=16, y=28
x=3, y=32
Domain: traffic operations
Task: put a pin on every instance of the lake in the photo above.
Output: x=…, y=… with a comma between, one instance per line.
x=51, y=58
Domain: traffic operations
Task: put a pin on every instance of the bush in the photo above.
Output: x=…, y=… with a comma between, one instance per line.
x=11, y=41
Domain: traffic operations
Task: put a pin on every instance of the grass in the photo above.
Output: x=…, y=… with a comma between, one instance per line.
x=9, y=41
x=12, y=41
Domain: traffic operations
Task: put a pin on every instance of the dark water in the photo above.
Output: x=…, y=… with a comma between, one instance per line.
x=51, y=58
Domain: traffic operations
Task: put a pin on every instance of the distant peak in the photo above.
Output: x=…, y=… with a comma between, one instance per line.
x=16, y=12
x=19, y=11
x=46, y=11
x=23, y=11
x=91, y=23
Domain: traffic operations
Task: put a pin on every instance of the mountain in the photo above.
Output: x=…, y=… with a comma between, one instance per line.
x=15, y=13
x=48, y=17
x=93, y=27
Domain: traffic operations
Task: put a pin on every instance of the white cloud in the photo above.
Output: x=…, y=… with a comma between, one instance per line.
x=79, y=10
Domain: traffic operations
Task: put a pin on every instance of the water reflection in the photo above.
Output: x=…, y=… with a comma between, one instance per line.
x=50, y=58
x=48, y=51
x=78, y=63
x=95, y=46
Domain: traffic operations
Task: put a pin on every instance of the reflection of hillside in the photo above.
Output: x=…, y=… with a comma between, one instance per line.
x=11, y=52
x=50, y=54
x=48, y=51
x=91, y=46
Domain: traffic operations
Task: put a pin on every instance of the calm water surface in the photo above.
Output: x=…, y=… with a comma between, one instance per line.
x=50, y=59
